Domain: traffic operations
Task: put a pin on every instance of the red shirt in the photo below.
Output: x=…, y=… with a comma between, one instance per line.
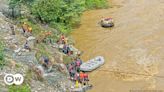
x=85, y=75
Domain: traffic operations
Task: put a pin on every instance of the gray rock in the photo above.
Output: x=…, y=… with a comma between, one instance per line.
x=30, y=38
x=26, y=58
x=31, y=41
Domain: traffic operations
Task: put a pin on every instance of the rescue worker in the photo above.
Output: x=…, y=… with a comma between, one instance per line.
x=46, y=63
x=30, y=29
x=24, y=27
x=65, y=47
x=77, y=77
x=86, y=79
x=62, y=38
x=27, y=30
x=70, y=68
x=77, y=84
x=81, y=77
x=26, y=46
x=78, y=63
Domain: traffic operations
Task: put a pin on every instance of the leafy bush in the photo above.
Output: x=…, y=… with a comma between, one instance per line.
x=61, y=14
x=21, y=88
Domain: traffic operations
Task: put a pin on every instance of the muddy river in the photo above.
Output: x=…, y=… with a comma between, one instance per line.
x=133, y=49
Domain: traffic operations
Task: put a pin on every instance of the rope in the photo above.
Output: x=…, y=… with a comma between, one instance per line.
x=158, y=76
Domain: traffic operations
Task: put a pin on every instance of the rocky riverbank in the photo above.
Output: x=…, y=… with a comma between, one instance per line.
x=25, y=62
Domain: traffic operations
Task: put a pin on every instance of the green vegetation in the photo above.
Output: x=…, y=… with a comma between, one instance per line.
x=67, y=59
x=42, y=50
x=2, y=56
x=21, y=88
x=60, y=14
x=91, y=4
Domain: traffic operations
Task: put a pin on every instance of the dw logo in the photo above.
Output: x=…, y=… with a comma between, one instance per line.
x=11, y=79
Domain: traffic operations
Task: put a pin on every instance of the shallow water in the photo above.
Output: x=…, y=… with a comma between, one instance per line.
x=133, y=49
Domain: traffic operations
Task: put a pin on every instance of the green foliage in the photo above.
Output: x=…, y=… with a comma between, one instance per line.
x=15, y=3
x=21, y=88
x=91, y=4
x=61, y=14
x=67, y=59
x=2, y=56
x=42, y=50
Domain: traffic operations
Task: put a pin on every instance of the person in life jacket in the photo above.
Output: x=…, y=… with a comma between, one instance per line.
x=77, y=84
x=30, y=29
x=24, y=27
x=81, y=77
x=62, y=38
x=86, y=79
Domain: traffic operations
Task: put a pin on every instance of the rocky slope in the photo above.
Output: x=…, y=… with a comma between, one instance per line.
x=19, y=60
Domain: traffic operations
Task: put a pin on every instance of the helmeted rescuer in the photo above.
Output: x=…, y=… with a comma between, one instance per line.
x=30, y=29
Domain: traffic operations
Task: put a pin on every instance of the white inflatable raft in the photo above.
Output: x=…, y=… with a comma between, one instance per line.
x=92, y=64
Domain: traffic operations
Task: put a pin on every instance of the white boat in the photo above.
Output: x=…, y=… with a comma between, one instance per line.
x=92, y=64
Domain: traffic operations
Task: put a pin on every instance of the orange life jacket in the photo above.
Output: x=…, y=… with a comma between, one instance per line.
x=81, y=75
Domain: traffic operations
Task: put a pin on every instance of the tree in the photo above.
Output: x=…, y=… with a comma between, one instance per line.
x=65, y=13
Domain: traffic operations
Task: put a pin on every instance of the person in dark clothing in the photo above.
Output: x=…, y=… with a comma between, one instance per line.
x=45, y=61
x=26, y=46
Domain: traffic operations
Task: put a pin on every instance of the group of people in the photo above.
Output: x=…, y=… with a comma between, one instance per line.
x=65, y=47
x=76, y=74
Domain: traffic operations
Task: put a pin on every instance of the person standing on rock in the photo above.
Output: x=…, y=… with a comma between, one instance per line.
x=27, y=30
x=26, y=46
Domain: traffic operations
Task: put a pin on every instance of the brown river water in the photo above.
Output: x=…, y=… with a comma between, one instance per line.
x=133, y=49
